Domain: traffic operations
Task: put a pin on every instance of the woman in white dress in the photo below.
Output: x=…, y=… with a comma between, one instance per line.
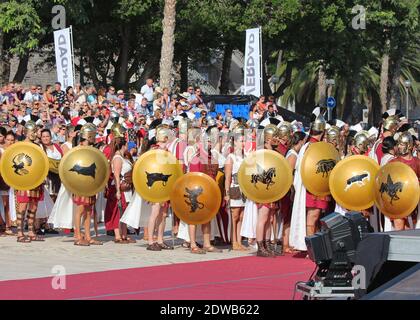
x=119, y=191
x=234, y=196
x=298, y=140
x=5, y=189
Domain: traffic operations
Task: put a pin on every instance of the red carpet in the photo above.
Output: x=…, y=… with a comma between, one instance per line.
x=248, y=278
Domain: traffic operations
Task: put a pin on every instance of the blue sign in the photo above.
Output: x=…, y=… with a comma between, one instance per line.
x=331, y=103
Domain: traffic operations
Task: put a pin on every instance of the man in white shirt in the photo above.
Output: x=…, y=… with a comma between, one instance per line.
x=147, y=91
x=33, y=95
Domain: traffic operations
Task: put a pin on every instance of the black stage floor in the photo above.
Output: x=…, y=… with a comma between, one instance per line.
x=406, y=286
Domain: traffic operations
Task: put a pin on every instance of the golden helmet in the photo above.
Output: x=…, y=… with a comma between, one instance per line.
x=270, y=131
x=333, y=135
x=352, y=182
x=196, y=198
x=211, y=122
x=285, y=130
x=24, y=166
x=405, y=143
x=118, y=131
x=163, y=133
x=88, y=132
x=84, y=171
x=361, y=141
x=239, y=130
x=184, y=125
x=397, y=191
x=265, y=176
x=233, y=123
x=30, y=130
x=252, y=123
x=155, y=174
x=391, y=123
x=213, y=134
x=318, y=161
x=319, y=124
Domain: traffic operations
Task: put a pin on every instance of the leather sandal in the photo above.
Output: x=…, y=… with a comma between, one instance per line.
x=36, y=238
x=236, y=246
x=23, y=239
x=164, y=246
x=121, y=241
x=93, y=242
x=212, y=249
x=154, y=247
x=81, y=243
x=129, y=240
x=197, y=250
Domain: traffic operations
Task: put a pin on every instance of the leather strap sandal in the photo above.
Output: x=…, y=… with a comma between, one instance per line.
x=23, y=239
x=198, y=250
x=164, y=246
x=212, y=249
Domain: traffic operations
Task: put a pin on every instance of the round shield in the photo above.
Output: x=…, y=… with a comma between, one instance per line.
x=397, y=191
x=53, y=165
x=24, y=166
x=352, y=181
x=318, y=161
x=155, y=174
x=265, y=176
x=196, y=198
x=84, y=171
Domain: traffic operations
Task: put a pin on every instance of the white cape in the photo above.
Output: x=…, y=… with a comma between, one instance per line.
x=137, y=213
x=45, y=206
x=249, y=222
x=12, y=204
x=62, y=213
x=184, y=235
x=298, y=221
x=100, y=205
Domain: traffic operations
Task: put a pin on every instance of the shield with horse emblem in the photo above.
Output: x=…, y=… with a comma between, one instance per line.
x=24, y=166
x=196, y=198
x=317, y=164
x=397, y=190
x=265, y=176
x=155, y=174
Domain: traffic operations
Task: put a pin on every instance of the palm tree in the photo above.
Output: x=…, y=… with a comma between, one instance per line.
x=168, y=39
x=304, y=87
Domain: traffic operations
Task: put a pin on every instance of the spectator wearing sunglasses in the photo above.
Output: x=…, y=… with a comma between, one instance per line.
x=196, y=98
x=34, y=94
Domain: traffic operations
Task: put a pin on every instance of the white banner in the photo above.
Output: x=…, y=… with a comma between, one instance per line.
x=64, y=57
x=252, y=63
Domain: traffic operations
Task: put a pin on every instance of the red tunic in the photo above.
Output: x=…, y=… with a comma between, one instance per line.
x=378, y=151
x=282, y=149
x=414, y=164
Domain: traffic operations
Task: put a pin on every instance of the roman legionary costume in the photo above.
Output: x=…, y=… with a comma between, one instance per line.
x=284, y=134
x=88, y=132
x=405, y=148
x=28, y=197
x=390, y=125
x=304, y=199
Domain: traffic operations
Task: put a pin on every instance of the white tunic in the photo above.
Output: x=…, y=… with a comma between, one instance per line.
x=236, y=164
x=126, y=167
